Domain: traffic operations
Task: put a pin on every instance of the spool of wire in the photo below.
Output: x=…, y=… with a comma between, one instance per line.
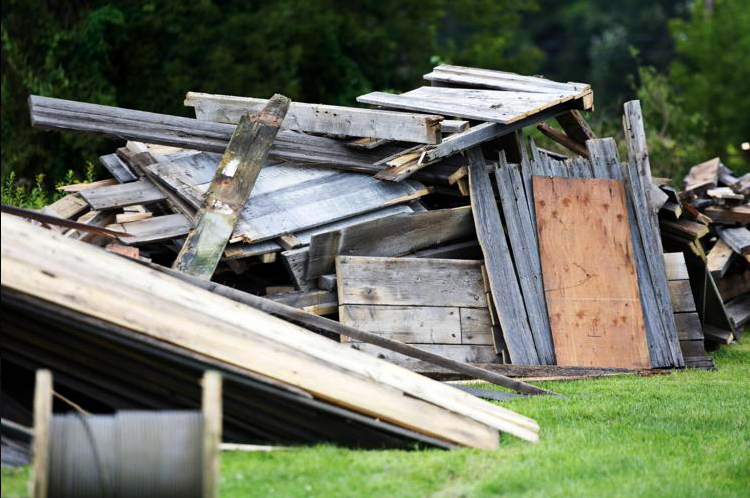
x=131, y=454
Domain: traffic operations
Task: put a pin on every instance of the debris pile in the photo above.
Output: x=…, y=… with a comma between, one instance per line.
x=270, y=240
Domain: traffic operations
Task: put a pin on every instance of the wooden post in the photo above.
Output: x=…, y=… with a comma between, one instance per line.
x=42, y=416
x=230, y=189
x=212, y=417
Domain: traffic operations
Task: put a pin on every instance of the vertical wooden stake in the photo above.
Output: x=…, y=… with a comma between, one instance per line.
x=42, y=416
x=230, y=188
x=212, y=417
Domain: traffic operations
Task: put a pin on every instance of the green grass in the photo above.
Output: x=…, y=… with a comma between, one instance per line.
x=684, y=434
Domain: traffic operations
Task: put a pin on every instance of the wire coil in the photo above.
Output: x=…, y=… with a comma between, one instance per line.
x=130, y=454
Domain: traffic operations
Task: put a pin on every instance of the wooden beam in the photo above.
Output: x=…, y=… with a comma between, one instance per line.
x=230, y=189
x=212, y=418
x=562, y=139
x=504, y=285
x=41, y=447
x=319, y=118
x=575, y=126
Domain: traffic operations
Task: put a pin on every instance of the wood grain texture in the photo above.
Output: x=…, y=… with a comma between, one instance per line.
x=738, y=239
x=409, y=281
x=154, y=229
x=409, y=324
x=66, y=207
x=506, y=292
x=388, y=236
x=118, y=196
x=589, y=273
x=117, y=168
x=326, y=119
x=464, y=77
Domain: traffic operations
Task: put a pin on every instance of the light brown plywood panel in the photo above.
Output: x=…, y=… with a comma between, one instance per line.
x=588, y=268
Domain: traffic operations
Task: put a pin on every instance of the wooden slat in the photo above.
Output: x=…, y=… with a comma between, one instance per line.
x=719, y=259
x=410, y=324
x=391, y=236
x=739, y=310
x=736, y=238
x=154, y=229
x=523, y=242
x=638, y=182
x=409, y=281
x=674, y=264
x=737, y=214
x=66, y=207
x=230, y=188
x=504, y=286
x=575, y=126
x=117, y=168
x=118, y=196
x=504, y=107
x=682, y=296
x=562, y=139
x=319, y=118
x=689, y=326
x=589, y=273
x=476, y=326
x=77, y=187
x=316, y=302
x=499, y=80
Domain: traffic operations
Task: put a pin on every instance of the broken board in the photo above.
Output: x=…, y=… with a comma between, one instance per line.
x=590, y=281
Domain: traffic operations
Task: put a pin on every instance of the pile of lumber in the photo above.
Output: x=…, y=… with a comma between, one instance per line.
x=708, y=220
x=311, y=252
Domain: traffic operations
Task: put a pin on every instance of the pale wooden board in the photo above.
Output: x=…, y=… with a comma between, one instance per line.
x=497, y=106
x=66, y=207
x=126, y=194
x=410, y=324
x=326, y=119
x=499, y=80
x=88, y=280
x=719, y=259
x=288, y=198
x=410, y=281
x=674, y=263
x=391, y=236
x=156, y=229
x=682, y=296
x=459, y=352
x=589, y=273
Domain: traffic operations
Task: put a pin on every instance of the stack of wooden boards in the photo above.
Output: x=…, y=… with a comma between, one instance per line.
x=708, y=220
x=429, y=220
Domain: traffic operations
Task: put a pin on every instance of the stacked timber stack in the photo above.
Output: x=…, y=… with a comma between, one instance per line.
x=709, y=220
x=428, y=232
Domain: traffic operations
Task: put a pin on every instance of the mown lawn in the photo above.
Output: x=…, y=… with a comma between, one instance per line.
x=684, y=434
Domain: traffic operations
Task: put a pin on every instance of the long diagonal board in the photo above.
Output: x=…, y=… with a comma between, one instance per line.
x=590, y=280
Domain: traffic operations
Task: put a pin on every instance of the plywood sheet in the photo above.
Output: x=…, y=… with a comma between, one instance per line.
x=589, y=273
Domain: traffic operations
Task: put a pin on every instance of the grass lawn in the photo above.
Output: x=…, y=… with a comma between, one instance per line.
x=684, y=434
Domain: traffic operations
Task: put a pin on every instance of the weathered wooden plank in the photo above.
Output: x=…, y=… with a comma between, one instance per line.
x=689, y=326
x=504, y=107
x=739, y=310
x=523, y=242
x=59, y=114
x=719, y=259
x=295, y=262
x=499, y=80
x=392, y=236
x=410, y=324
x=409, y=281
x=466, y=353
x=117, y=168
x=738, y=239
x=733, y=284
x=593, y=302
x=155, y=229
x=126, y=194
x=729, y=215
x=77, y=187
x=476, y=326
x=230, y=188
x=684, y=228
x=674, y=265
x=454, y=125
x=682, y=296
x=704, y=175
x=575, y=126
x=319, y=118
x=66, y=207
x=316, y=302
x=638, y=179
x=504, y=286
x=562, y=139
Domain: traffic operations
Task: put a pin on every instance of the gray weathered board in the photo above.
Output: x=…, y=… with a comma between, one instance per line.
x=435, y=302
x=496, y=106
x=327, y=119
x=503, y=282
x=117, y=168
x=155, y=229
x=126, y=194
x=391, y=236
x=461, y=76
x=288, y=198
